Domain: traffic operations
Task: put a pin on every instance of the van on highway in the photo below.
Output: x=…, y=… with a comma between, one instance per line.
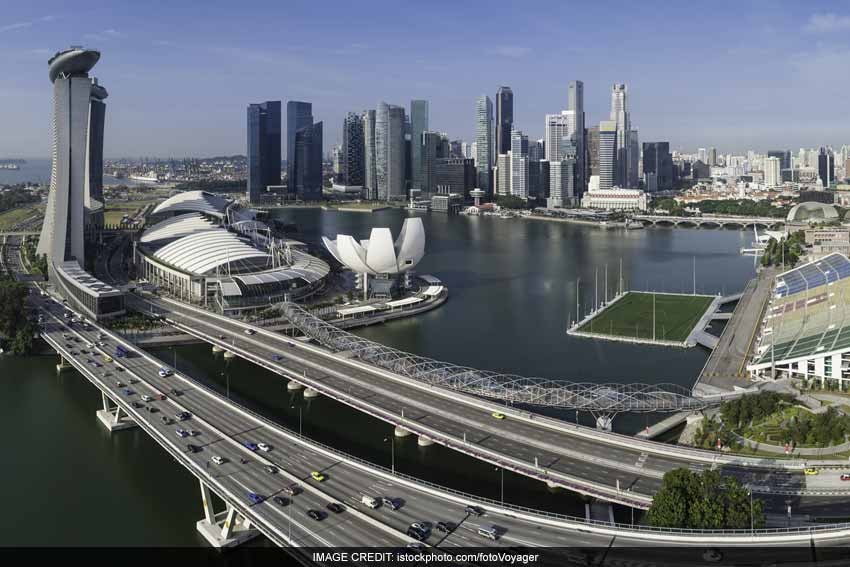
x=369, y=501
x=489, y=531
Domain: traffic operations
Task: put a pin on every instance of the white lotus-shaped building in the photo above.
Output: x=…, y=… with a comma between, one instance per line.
x=379, y=254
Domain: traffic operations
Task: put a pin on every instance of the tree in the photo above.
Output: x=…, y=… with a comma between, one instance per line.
x=704, y=500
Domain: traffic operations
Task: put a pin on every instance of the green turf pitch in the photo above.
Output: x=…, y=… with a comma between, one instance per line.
x=631, y=316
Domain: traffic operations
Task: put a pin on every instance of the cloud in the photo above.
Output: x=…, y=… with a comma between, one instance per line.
x=827, y=23
x=16, y=26
x=513, y=51
x=24, y=25
x=105, y=35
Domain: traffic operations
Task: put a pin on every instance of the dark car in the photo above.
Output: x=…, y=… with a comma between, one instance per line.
x=167, y=420
x=251, y=446
x=175, y=392
x=151, y=409
x=255, y=498
x=416, y=534
x=316, y=514
x=277, y=357
x=473, y=510
x=136, y=405
x=183, y=415
x=445, y=527
x=281, y=500
x=335, y=507
x=292, y=489
x=391, y=503
x=270, y=469
x=192, y=448
x=128, y=392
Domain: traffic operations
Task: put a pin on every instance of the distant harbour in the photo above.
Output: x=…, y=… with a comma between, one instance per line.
x=38, y=171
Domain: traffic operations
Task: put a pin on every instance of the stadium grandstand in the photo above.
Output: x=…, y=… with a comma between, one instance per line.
x=806, y=328
x=207, y=250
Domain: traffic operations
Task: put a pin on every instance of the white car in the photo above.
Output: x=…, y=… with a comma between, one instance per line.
x=217, y=460
x=182, y=433
x=249, y=331
x=163, y=372
x=263, y=447
x=147, y=398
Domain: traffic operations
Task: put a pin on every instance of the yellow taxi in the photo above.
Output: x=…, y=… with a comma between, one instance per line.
x=810, y=472
x=107, y=358
x=317, y=476
x=498, y=415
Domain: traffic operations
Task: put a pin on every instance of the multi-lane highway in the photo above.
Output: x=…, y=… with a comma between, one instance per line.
x=616, y=467
x=222, y=429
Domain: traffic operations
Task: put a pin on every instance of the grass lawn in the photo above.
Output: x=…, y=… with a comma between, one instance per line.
x=8, y=219
x=631, y=316
x=115, y=210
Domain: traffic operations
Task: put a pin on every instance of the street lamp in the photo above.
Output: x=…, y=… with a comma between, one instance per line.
x=392, y=452
x=502, y=474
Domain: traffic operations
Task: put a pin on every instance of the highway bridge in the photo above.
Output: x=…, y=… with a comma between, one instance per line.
x=138, y=394
x=609, y=466
x=711, y=221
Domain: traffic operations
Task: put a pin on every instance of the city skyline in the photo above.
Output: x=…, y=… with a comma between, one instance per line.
x=174, y=103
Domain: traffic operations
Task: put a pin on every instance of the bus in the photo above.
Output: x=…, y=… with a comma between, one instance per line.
x=120, y=351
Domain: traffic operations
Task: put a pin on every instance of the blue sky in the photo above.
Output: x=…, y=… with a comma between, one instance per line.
x=735, y=75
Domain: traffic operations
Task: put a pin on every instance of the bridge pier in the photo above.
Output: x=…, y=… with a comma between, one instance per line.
x=401, y=431
x=63, y=365
x=294, y=386
x=229, y=354
x=423, y=442
x=604, y=422
x=225, y=529
x=217, y=349
x=113, y=418
x=311, y=393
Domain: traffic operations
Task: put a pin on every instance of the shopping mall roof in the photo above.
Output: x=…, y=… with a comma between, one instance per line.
x=193, y=201
x=203, y=252
x=809, y=314
x=176, y=227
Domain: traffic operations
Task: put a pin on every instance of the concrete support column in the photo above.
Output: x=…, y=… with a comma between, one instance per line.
x=206, y=501
x=229, y=523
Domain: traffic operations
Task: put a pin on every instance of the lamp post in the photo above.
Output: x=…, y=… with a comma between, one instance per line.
x=502, y=483
x=392, y=452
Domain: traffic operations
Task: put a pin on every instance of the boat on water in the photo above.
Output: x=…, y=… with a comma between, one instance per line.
x=10, y=166
x=149, y=177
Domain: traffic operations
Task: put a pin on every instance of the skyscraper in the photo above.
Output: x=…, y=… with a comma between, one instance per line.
x=712, y=156
x=353, y=160
x=658, y=162
x=263, y=147
x=418, y=125
x=308, y=163
x=607, y=154
x=826, y=166
x=504, y=119
x=784, y=157
x=484, y=143
x=77, y=154
x=298, y=115
x=576, y=130
x=620, y=116
x=389, y=151
x=434, y=148
x=555, y=130
x=634, y=158
x=94, y=166
x=370, y=175
x=772, y=175
x=502, y=174
x=519, y=164
x=592, y=153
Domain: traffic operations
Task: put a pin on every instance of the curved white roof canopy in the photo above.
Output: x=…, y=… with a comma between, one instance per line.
x=176, y=227
x=194, y=201
x=378, y=254
x=203, y=252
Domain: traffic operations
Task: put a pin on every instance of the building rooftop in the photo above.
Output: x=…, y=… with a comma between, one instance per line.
x=74, y=274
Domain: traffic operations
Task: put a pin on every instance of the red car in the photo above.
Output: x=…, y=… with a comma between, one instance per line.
x=161, y=396
x=845, y=477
